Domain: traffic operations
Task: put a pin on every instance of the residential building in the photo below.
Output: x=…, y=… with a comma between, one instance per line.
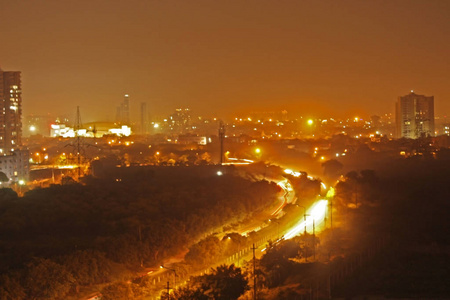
x=13, y=158
x=10, y=111
x=414, y=116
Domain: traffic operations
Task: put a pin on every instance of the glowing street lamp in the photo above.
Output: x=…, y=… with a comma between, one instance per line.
x=257, y=150
x=310, y=122
x=174, y=272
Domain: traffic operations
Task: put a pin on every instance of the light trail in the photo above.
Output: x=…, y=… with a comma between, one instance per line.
x=316, y=212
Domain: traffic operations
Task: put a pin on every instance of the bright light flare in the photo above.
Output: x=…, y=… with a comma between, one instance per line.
x=316, y=213
x=288, y=171
x=330, y=193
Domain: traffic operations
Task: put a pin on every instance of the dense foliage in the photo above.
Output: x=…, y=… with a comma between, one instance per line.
x=76, y=235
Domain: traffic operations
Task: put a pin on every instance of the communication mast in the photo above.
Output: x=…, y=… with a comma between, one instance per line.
x=221, y=137
x=78, y=143
x=78, y=126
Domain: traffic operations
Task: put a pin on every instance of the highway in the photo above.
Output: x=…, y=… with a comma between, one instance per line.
x=315, y=218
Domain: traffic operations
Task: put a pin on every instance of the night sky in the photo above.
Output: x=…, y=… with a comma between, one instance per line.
x=221, y=58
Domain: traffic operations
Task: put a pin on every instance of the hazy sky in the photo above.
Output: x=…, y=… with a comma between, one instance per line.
x=226, y=57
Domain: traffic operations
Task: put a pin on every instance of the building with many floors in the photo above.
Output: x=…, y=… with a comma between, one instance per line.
x=414, y=116
x=13, y=158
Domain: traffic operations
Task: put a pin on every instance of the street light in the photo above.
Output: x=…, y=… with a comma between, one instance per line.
x=304, y=215
x=174, y=272
x=314, y=236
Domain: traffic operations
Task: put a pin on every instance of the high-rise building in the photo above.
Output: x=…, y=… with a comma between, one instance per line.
x=13, y=159
x=11, y=111
x=123, y=111
x=414, y=116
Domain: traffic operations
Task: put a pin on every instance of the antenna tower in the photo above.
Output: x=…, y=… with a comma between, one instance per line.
x=78, y=126
x=221, y=137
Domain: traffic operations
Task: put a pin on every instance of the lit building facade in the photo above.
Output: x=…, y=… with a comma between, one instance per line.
x=16, y=165
x=99, y=130
x=13, y=159
x=414, y=116
x=11, y=111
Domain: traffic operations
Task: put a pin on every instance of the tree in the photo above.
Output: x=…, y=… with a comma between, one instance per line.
x=332, y=168
x=46, y=279
x=3, y=177
x=204, y=251
x=186, y=293
x=225, y=283
x=10, y=288
x=117, y=291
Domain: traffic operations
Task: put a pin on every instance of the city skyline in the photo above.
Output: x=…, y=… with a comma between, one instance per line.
x=336, y=59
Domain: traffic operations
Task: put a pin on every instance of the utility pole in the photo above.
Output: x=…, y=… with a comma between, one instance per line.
x=306, y=239
x=254, y=272
x=331, y=214
x=221, y=137
x=77, y=134
x=168, y=290
x=314, y=239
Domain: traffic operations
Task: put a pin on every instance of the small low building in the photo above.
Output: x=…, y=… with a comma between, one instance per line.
x=16, y=165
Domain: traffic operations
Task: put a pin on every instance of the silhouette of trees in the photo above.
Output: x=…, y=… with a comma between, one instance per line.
x=3, y=177
x=45, y=279
x=226, y=282
x=118, y=291
x=131, y=218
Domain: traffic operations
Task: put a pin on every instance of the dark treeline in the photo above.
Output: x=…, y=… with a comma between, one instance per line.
x=405, y=202
x=56, y=240
x=390, y=238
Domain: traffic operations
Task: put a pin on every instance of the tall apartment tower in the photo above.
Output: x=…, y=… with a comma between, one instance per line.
x=123, y=111
x=126, y=109
x=10, y=111
x=414, y=116
x=13, y=158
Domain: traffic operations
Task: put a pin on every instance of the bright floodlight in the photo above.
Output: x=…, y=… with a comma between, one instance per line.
x=317, y=212
x=330, y=193
x=257, y=150
x=310, y=122
x=219, y=173
x=32, y=128
x=156, y=125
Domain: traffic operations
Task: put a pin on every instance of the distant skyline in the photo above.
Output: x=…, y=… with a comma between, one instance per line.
x=312, y=58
